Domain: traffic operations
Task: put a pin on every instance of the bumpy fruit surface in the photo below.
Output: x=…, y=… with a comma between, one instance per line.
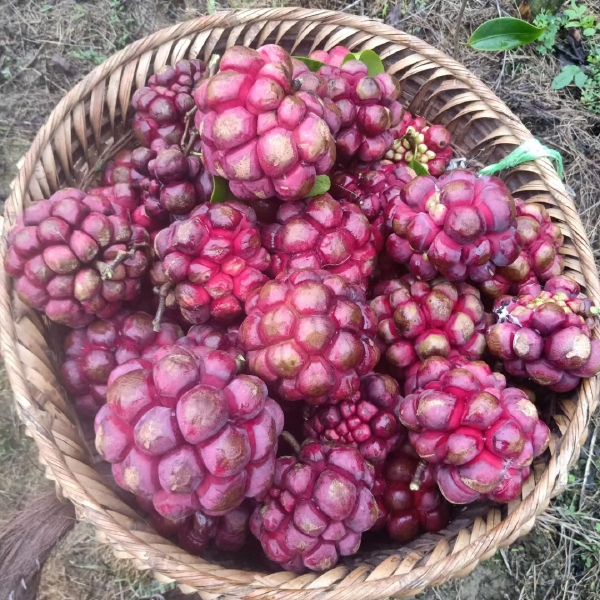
x=457, y=226
x=319, y=505
x=92, y=353
x=538, y=261
x=322, y=233
x=547, y=337
x=418, y=320
x=481, y=434
x=371, y=187
x=369, y=423
x=424, y=143
x=257, y=132
x=161, y=106
x=186, y=432
x=406, y=512
x=309, y=335
x=368, y=107
x=74, y=259
x=210, y=262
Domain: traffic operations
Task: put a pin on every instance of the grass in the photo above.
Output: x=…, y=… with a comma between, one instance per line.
x=46, y=46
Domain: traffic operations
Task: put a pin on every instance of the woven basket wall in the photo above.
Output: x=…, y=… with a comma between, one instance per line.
x=78, y=136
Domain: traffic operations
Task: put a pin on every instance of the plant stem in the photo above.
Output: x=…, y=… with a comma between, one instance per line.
x=165, y=288
x=107, y=270
x=415, y=484
x=461, y=12
x=291, y=440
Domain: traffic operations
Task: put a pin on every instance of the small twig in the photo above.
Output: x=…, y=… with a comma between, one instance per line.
x=461, y=12
x=291, y=440
x=165, y=288
x=415, y=484
x=109, y=153
x=213, y=65
x=588, y=467
x=191, y=142
x=107, y=270
x=189, y=117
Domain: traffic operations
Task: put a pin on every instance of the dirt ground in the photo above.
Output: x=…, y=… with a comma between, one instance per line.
x=46, y=46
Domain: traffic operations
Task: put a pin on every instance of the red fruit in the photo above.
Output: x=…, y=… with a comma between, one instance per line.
x=321, y=233
x=547, y=337
x=210, y=262
x=416, y=140
x=309, y=335
x=369, y=424
x=74, y=259
x=461, y=226
x=417, y=321
x=161, y=106
x=481, y=435
x=188, y=433
x=266, y=139
x=319, y=505
x=92, y=353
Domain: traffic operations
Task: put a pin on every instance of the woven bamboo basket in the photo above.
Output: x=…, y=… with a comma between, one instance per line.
x=91, y=122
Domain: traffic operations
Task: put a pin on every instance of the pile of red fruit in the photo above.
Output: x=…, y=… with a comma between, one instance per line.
x=329, y=291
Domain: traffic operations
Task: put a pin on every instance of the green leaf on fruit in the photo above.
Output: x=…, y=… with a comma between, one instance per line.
x=322, y=185
x=418, y=168
x=369, y=58
x=220, y=191
x=565, y=77
x=504, y=33
x=311, y=63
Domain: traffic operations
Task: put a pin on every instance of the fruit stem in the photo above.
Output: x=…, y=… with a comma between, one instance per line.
x=193, y=137
x=415, y=484
x=107, y=270
x=291, y=440
x=189, y=117
x=165, y=288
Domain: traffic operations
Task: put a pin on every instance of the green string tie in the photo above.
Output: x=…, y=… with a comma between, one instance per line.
x=529, y=150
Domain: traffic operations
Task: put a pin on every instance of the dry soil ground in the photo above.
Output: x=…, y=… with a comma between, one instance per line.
x=48, y=45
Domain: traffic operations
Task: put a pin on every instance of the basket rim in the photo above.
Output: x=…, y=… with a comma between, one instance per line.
x=381, y=582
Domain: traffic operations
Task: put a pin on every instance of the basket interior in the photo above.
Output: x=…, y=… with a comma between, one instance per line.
x=97, y=126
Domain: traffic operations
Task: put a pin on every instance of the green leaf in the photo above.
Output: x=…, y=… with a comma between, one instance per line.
x=220, y=191
x=46, y=8
x=589, y=31
x=565, y=77
x=322, y=185
x=311, y=63
x=418, y=168
x=580, y=79
x=504, y=33
x=369, y=58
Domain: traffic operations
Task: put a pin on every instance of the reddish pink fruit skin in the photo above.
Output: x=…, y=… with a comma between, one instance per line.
x=161, y=106
x=456, y=226
x=59, y=251
x=92, y=353
x=257, y=131
x=183, y=430
x=317, y=508
x=366, y=108
x=321, y=233
x=481, y=435
x=546, y=336
x=404, y=512
x=310, y=335
x=418, y=320
x=369, y=424
x=211, y=262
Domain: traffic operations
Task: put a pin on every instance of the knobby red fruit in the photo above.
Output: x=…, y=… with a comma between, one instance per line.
x=258, y=132
x=161, y=106
x=369, y=423
x=481, y=434
x=319, y=505
x=92, y=353
x=458, y=226
x=186, y=432
x=321, y=233
x=310, y=335
x=418, y=320
x=74, y=259
x=547, y=337
x=406, y=512
x=210, y=262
